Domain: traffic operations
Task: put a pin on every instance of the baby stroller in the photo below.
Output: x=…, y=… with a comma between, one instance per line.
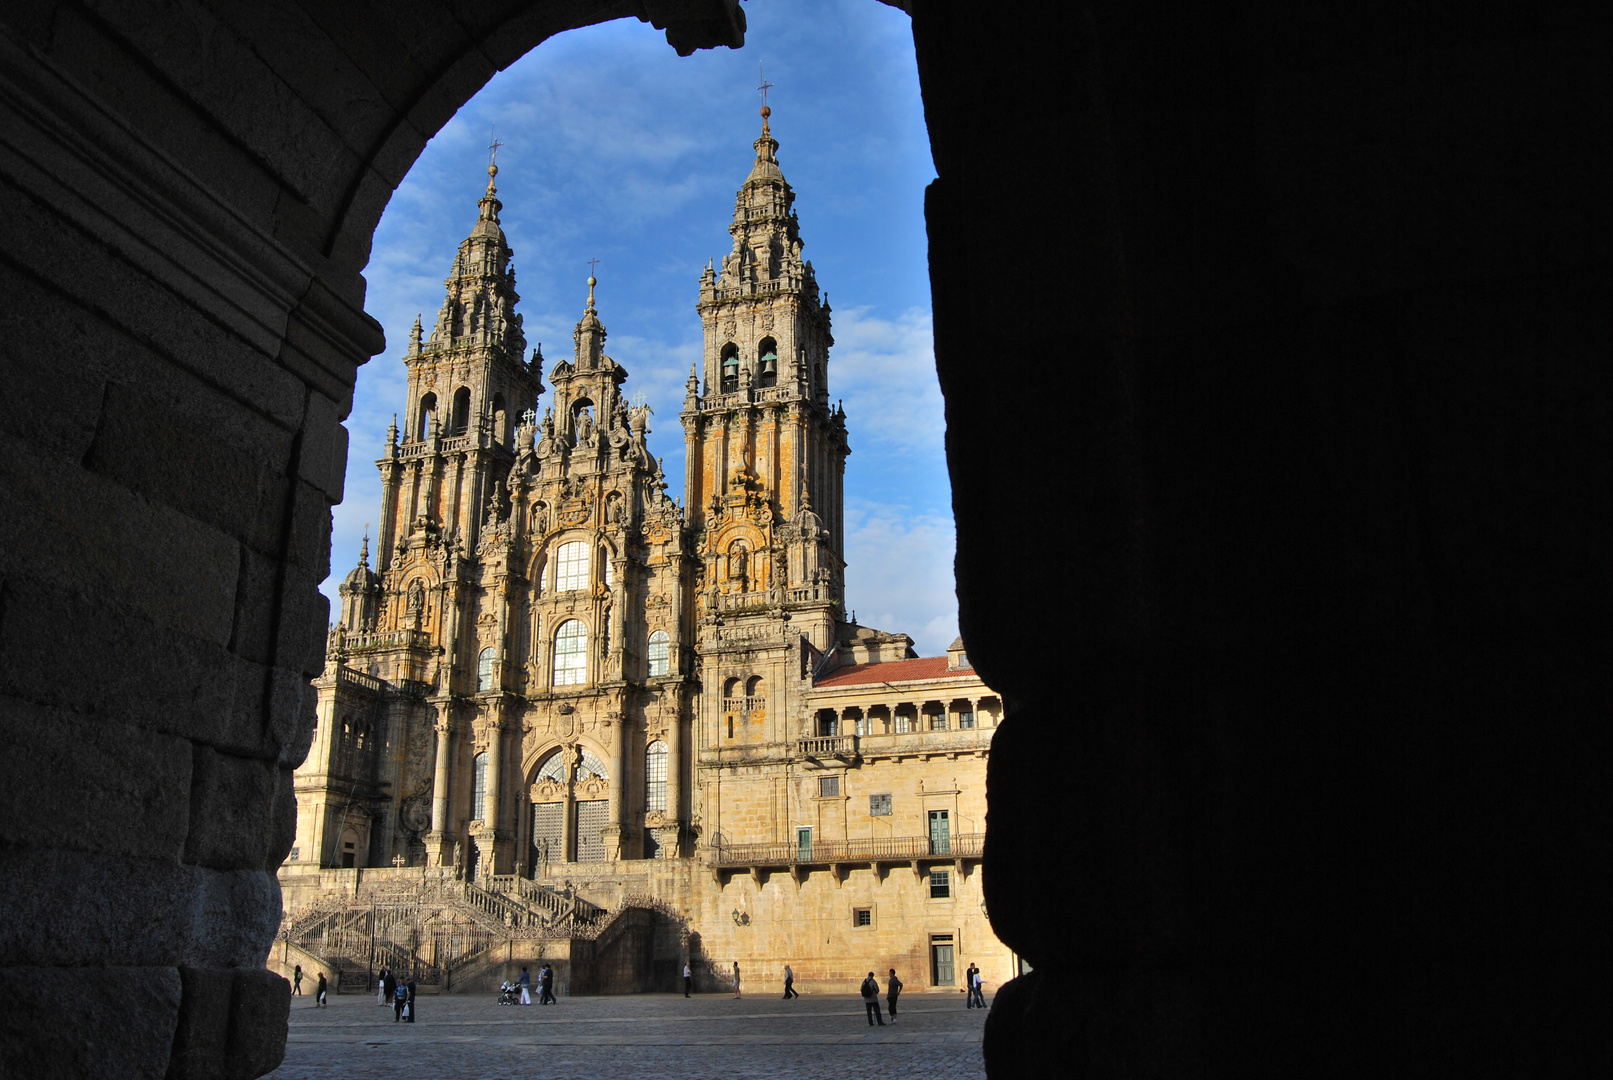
x=509, y=994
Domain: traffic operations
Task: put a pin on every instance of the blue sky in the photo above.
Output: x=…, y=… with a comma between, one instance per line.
x=616, y=148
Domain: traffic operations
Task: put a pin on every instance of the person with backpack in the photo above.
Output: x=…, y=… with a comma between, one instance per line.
x=870, y=993
x=892, y=989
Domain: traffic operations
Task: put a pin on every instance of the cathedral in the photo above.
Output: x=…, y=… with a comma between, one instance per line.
x=560, y=688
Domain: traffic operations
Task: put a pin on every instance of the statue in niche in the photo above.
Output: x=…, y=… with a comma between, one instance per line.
x=739, y=563
x=417, y=599
x=618, y=416
x=585, y=425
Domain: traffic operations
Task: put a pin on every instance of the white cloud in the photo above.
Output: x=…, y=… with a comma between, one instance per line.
x=899, y=572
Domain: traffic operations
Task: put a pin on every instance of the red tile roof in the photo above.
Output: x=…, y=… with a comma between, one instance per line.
x=927, y=667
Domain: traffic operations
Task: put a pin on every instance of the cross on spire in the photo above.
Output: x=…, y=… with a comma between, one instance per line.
x=765, y=87
x=592, y=265
x=492, y=147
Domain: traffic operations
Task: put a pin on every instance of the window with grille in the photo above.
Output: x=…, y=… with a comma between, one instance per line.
x=478, y=791
x=938, y=721
x=904, y=723
x=966, y=719
x=940, y=884
x=828, y=787
x=879, y=805
x=655, y=759
x=862, y=916
x=484, y=670
x=592, y=818
x=571, y=567
x=660, y=653
x=571, y=653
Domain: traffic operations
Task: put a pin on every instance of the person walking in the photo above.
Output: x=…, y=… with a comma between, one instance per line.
x=319, y=992
x=409, y=1005
x=389, y=985
x=546, y=986
x=870, y=993
x=296, y=981
x=789, y=984
x=688, y=978
x=977, y=988
x=381, y=992
x=736, y=979
x=893, y=989
x=400, y=998
x=526, y=987
x=969, y=986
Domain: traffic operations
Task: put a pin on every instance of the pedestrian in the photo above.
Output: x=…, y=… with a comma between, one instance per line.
x=400, y=998
x=382, y=994
x=410, y=1004
x=736, y=979
x=688, y=978
x=296, y=981
x=319, y=992
x=969, y=986
x=526, y=987
x=789, y=984
x=870, y=993
x=893, y=988
x=546, y=986
x=389, y=985
x=977, y=989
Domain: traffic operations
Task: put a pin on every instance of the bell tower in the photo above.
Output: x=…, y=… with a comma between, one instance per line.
x=766, y=457
x=766, y=451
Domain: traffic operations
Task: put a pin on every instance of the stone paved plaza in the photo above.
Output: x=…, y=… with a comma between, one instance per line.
x=652, y=1035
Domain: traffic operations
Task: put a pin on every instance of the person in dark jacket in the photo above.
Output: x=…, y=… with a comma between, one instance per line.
x=893, y=989
x=389, y=986
x=411, y=1001
x=870, y=993
x=319, y=992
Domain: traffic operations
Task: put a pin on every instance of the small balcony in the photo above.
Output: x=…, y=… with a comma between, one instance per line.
x=870, y=850
x=828, y=747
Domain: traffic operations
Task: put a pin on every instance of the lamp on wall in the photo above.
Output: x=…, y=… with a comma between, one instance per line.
x=741, y=918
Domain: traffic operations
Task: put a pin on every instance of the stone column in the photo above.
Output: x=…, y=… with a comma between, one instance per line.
x=619, y=801
x=440, y=788
x=671, y=835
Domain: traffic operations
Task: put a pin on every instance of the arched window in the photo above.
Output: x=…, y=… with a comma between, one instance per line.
x=571, y=566
x=571, y=654
x=754, y=687
x=655, y=759
x=767, y=374
x=554, y=768
x=428, y=409
x=730, y=688
x=660, y=650
x=591, y=766
x=730, y=368
x=461, y=417
x=605, y=567
x=478, y=788
x=500, y=419
x=484, y=669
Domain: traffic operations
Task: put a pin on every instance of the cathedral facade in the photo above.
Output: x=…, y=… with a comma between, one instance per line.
x=557, y=673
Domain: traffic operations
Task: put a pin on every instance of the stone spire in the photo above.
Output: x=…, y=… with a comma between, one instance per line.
x=590, y=333
x=479, y=306
x=766, y=232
